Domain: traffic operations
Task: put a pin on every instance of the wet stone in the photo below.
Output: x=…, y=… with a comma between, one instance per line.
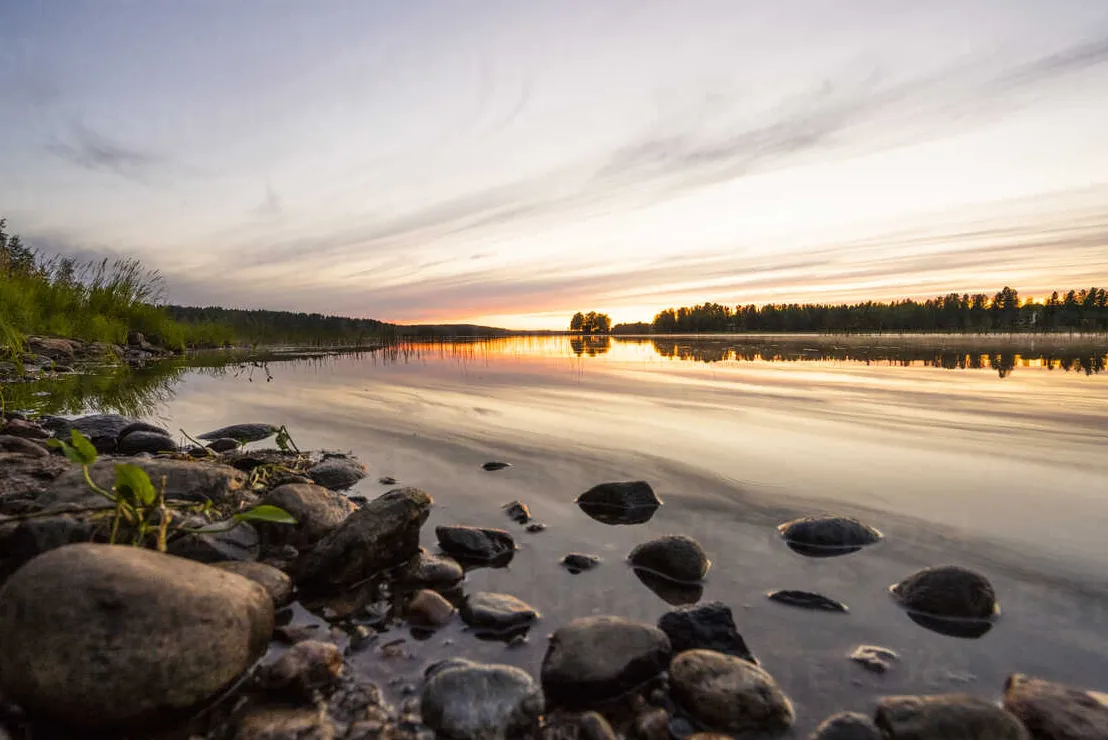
x=277, y=584
x=142, y=426
x=494, y=466
x=387, y=480
x=475, y=543
x=1054, y=711
x=709, y=626
x=306, y=667
x=481, y=702
x=143, y=441
x=577, y=562
x=337, y=473
x=497, y=612
x=807, y=600
x=827, y=536
x=624, y=502
x=223, y=444
x=674, y=556
x=429, y=609
x=847, y=726
x=242, y=432
x=946, y=717
x=723, y=692
x=947, y=591
x=518, y=512
x=535, y=527
x=285, y=723
x=874, y=658
x=430, y=571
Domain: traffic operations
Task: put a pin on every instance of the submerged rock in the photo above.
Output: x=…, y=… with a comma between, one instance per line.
x=727, y=693
x=707, y=627
x=1054, y=711
x=874, y=658
x=946, y=717
x=308, y=666
x=494, y=466
x=825, y=536
x=338, y=473
x=143, y=441
x=577, y=562
x=475, y=543
x=806, y=600
x=947, y=591
x=134, y=635
x=276, y=583
x=317, y=511
x=101, y=429
x=847, y=726
x=593, y=659
x=626, y=502
x=673, y=556
x=381, y=534
x=481, y=702
x=497, y=612
x=518, y=512
x=241, y=432
x=430, y=571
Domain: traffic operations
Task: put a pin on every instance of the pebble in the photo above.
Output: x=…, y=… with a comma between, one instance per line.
x=874, y=658
x=677, y=557
x=429, y=609
x=807, y=600
x=497, y=612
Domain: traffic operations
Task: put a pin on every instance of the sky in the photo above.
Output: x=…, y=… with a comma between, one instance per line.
x=510, y=163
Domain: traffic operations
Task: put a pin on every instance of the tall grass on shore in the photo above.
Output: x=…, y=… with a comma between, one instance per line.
x=97, y=301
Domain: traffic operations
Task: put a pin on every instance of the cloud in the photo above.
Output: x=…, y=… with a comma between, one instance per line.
x=93, y=151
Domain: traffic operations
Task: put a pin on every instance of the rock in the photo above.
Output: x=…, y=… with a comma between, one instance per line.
x=185, y=480
x=847, y=726
x=675, y=593
x=497, y=612
x=629, y=502
x=673, y=556
x=285, y=723
x=241, y=432
x=653, y=724
x=306, y=667
x=141, y=441
x=518, y=512
x=481, y=702
x=240, y=543
x=33, y=537
x=947, y=591
x=429, y=609
x=387, y=480
x=277, y=584
x=163, y=632
x=381, y=534
x=946, y=717
x=317, y=511
x=24, y=429
x=593, y=659
x=476, y=544
x=493, y=466
x=54, y=348
x=806, y=600
x=727, y=693
x=430, y=571
x=223, y=444
x=577, y=562
x=101, y=429
x=577, y=726
x=28, y=478
x=56, y=425
x=534, y=527
x=142, y=426
x=22, y=446
x=825, y=536
x=874, y=658
x=1054, y=711
x=337, y=473
x=707, y=627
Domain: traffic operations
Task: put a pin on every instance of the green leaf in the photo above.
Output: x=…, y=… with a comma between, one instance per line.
x=86, y=453
x=134, y=484
x=266, y=513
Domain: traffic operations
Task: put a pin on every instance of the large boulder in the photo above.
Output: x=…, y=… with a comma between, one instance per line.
x=1054, y=711
x=381, y=534
x=101, y=429
x=471, y=701
x=707, y=626
x=949, y=592
x=623, y=502
x=593, y=659
x=103, y=636
x=824, y=536
x=316, y=509
x=727, y=693
x=674, y=556
x=185, y=480
x=946, y=717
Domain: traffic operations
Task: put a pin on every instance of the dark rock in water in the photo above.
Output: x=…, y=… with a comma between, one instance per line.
x=706, y=627
x=946, y=716
x=847, y=726
x=948, y=591
x=241, y=432
x=728, y=693
x=101, y=429
x=134, y=638
x=430, y=571
x=967, y=629
x=317, y=511
x=676, y=593
x=481, y=702
x=497, y=612
x=284, y=723
x=807, y=600
x=387, y=480
x=307, y=666
x=32, y=537
x=381, y=534
x=141, y=441
x=476, y=544
x=593, y=659
x=337, y=473
x=827, y=536
x=223, y=444
x=1054, y=711
x=673, y=556
x=240, y=543
x=628, y=502
x=874, y=658
x=142, y=426
x=276, y=583
x=535, y=527
x=493, y=466
x=577, y=562
x=429, y=609
x=22, y=446
x=185, y=480
x=518, y=512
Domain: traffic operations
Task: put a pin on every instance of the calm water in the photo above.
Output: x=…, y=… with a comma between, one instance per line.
x=961, y=451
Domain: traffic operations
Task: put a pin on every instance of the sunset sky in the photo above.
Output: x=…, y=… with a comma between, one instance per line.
x=510, y=163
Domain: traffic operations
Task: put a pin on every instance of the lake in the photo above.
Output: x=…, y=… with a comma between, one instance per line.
x=982, y=452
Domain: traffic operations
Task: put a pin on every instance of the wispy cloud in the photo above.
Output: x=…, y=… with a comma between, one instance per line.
x=93, y=151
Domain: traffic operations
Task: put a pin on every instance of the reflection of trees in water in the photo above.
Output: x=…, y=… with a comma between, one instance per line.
x=591, y=346
x=1088, y=362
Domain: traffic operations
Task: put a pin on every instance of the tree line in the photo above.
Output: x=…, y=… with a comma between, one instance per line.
x=590, y=323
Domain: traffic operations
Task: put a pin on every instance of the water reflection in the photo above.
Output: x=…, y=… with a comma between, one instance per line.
x=968, y=629
x=590, y=345
x=671, y=592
